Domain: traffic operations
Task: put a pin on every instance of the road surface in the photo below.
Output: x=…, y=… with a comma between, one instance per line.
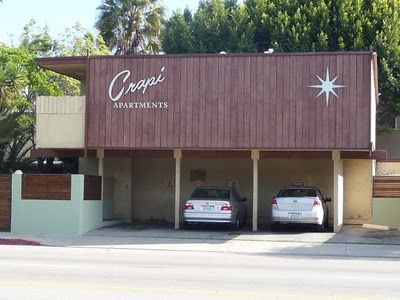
x=31, y=272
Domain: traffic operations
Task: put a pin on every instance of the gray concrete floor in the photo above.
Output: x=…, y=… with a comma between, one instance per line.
x=349, y=234
x=352, y=241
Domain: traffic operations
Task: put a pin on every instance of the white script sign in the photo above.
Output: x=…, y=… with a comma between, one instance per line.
x=132, y=86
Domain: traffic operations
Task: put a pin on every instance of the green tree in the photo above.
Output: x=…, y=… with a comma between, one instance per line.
x=335, y=25
x=13, y=122
x=131, y=26
x=21, y=81
x=78, y=41
x=296, y=26
x=216, y=26
x=178, y=35
x=37, y=42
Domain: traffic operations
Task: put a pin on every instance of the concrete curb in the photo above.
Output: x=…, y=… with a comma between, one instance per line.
x=379, y=227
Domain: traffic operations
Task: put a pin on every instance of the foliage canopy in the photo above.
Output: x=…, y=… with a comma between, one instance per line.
x=295, y=26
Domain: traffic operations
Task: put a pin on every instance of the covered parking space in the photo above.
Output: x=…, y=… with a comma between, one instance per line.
x=154, y=185
x=260, y=174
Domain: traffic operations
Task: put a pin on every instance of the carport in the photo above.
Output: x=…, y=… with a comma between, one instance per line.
x=155, y=185
x=159, y=125
x=267, y=172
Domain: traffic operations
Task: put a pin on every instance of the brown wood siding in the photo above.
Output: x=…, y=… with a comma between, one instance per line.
x=92, y=189
x=386, y=187
x=46, y=187
x=5, y=202
x=233, y=102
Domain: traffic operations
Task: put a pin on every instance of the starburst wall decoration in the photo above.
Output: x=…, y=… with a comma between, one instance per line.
x=327, y=86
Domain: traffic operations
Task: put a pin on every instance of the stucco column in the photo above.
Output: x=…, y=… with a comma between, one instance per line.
x=100, y=156
x=178, y=157
x=16, y=201
x=337, y=191
x=255, y=156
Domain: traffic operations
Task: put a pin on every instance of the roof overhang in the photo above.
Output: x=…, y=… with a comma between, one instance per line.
x=74, y=66
x=380, y=155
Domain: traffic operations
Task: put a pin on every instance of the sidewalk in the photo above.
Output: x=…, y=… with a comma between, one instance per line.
x=351, y=241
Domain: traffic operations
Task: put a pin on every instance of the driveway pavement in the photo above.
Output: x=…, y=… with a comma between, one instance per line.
x=351, y=241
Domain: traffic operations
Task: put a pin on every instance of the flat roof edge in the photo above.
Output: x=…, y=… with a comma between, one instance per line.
x=83, y=59
x=61, y=60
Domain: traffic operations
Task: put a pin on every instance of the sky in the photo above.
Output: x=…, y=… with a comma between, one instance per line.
x=58, y=15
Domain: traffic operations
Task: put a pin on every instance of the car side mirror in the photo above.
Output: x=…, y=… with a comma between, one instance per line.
x=244, y=199
x=328, y=199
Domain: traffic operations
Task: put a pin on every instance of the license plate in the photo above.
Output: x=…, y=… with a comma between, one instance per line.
x=208, y=207
x=294, y=216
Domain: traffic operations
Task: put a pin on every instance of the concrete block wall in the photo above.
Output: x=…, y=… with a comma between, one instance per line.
x=59, y=217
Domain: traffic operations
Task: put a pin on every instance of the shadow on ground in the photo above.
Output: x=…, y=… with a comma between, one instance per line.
x=352, y=241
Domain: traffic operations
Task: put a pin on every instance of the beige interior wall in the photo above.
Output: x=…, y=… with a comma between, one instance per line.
x=154, y=179
x=357, y=191
x=221, y=172
x=146, y=190
x=153, y=187
x=60, y=122
x=120, y=169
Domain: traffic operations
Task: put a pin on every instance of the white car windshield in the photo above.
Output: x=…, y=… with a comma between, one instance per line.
x=297, y=193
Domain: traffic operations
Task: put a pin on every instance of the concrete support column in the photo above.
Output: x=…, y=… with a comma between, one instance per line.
x=177, y=157
x=100, y=156
x=337, y=191
x=255, y=156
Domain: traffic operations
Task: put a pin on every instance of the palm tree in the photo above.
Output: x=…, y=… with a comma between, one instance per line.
x=11, y=82
x=131, y=26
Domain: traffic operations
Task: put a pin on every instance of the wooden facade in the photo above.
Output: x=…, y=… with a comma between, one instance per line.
x=92, y=188
x=5, y=202
x=242, y=101
x=386, y=187
x=46, y=187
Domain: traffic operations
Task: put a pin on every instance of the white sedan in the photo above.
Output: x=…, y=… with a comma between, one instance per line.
x=215, y=205
x=300, y=205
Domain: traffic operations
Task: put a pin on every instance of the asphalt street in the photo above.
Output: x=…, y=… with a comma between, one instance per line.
x=33, y=272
